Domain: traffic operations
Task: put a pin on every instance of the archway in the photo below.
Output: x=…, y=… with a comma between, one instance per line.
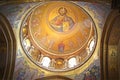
x=109, y=47
x=7, y=49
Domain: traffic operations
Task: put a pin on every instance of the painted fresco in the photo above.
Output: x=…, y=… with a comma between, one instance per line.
x=23, y=71
x=99, y=11
x=75, y=43
x=23, y=67
x=91, y=73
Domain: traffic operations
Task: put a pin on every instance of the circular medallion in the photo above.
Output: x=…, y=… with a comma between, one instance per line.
x=62, y=22
x=58, y=31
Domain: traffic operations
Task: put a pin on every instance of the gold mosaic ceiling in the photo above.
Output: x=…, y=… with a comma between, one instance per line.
x=61, y=32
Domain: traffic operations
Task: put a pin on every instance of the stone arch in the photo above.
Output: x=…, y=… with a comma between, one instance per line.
x=8, y=60
x=109, y=42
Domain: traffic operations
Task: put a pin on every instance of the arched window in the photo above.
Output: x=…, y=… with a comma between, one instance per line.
x=91, y=45
x=46, y=61
x=72, y=62
x=26, y=44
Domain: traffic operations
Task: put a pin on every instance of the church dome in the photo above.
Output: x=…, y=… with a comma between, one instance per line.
x=58, y=35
